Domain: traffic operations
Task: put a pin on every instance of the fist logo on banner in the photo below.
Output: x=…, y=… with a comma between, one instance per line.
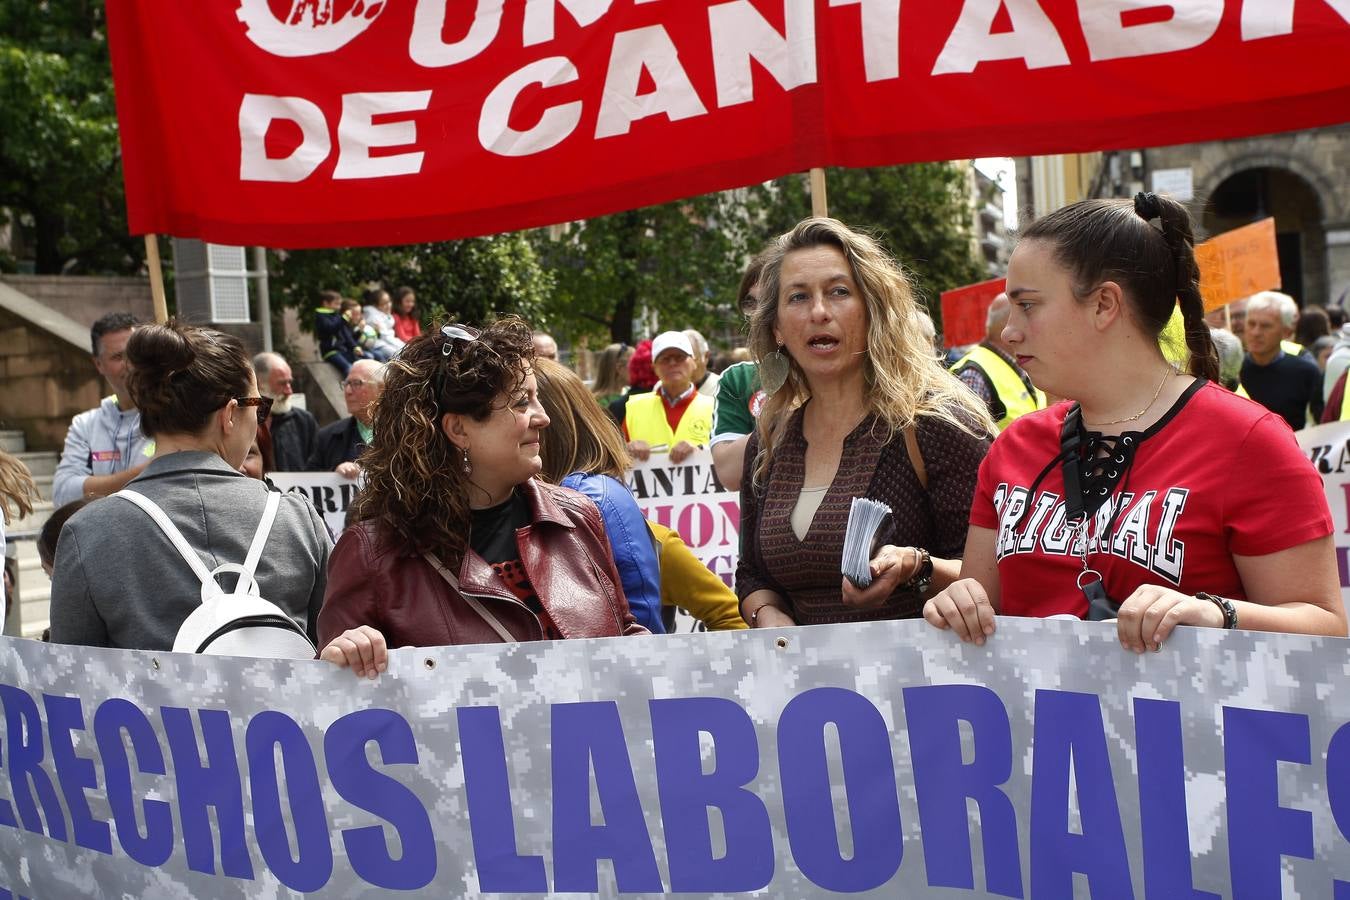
x=309, y=28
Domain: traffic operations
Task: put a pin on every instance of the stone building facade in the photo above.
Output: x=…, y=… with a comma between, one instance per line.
x=1302, y=178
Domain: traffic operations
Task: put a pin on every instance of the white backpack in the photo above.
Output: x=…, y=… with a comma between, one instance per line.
x=240, y=623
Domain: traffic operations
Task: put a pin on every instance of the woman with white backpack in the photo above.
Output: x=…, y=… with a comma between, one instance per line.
x=193, y=555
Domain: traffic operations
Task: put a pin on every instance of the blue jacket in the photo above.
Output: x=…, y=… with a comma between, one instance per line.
x=631, y=541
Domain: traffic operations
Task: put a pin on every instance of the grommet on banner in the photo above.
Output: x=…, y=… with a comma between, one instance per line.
x=429, y=663
x=781, y=643
x=155, y=662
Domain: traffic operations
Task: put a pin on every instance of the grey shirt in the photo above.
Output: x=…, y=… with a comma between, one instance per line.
x=118, y=581
x=102, y=441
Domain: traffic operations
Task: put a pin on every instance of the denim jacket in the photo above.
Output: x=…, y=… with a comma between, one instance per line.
x=631, y=541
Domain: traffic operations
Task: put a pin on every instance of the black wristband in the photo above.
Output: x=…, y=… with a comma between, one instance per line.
x=1230, y=617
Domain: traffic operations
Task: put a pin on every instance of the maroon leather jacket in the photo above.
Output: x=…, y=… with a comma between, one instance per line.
x=386, y=585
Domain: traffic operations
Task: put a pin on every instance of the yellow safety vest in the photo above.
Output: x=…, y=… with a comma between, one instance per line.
x=645, y=416
x=1290, y=348
x=1173, y=339
x=1009, y=386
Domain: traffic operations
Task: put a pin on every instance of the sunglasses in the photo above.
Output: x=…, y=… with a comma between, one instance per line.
x=264, y=405
x=456, y=333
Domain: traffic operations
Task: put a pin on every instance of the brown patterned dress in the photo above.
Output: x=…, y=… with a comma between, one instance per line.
x=806, y=573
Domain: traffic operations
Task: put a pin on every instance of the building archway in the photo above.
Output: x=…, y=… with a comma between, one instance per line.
x=1250, y=194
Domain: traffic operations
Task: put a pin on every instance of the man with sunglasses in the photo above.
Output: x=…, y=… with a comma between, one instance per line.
x=337, y=446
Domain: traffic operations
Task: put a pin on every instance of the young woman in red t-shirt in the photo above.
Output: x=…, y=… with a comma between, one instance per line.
x=1193, y=506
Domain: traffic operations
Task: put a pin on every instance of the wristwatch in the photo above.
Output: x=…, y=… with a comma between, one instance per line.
x=922, y=579
x=1225, y=606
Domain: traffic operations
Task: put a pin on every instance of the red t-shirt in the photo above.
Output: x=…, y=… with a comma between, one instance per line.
x=1218, y=475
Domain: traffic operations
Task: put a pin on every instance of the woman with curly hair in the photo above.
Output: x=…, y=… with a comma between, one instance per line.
x=455, y=540
x=859, y=406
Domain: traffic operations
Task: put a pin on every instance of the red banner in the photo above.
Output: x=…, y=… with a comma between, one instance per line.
x=964, y=310
x=299, y=123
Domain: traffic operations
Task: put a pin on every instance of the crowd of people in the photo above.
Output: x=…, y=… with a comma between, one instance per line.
x=1077, y=462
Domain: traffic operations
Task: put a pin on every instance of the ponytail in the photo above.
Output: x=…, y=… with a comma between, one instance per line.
x=1147, y=247
x=1171, y=220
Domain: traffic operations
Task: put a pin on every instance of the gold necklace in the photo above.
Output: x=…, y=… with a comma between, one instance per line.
x=1156, y=394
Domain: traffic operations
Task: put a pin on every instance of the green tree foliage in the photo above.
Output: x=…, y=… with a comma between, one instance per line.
x=679, y=260
x=920, y=212
x=60, y=168
x=469, y=281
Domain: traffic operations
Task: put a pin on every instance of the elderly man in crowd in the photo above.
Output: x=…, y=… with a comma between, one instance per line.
x=545, y=346
x=293, y=429
x=337, y=446
x=104, y=446
x=705, y=380
x=1285, y=384
x=675, y=415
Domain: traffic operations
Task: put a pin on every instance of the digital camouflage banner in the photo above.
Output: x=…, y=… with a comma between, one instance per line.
x=884, y=759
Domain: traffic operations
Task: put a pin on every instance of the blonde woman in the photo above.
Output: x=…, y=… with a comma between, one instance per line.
x=17, y=489
x=611, y=374
x=859, y=406
x=584, y=450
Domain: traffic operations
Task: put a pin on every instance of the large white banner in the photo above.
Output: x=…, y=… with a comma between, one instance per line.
x=330, y=493
x=792, y=763
x=1328, y=446
x=689, y=499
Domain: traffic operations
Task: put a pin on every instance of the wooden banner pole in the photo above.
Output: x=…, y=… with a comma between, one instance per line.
x=156, y=278
x=819, y=205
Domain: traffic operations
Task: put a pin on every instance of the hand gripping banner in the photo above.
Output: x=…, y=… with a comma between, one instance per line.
x=302, y=123
x=885, y=757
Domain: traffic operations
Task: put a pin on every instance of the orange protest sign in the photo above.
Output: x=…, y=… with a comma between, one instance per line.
x=964, y=309
x=1238, y=263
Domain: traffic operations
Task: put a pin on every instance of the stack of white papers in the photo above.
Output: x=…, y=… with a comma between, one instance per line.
x=864, y=518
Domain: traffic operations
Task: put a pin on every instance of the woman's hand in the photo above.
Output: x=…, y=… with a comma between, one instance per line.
x=891, y=567
x=1147, y=616
x=963, y=607
x=362, y=649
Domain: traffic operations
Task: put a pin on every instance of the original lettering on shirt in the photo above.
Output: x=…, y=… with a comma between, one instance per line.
x=1139, y=535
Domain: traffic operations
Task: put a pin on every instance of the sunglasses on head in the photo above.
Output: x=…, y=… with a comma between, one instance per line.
x=264, y=405
x=456, y=333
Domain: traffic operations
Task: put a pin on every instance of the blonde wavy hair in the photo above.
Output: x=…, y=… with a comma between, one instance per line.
x=17, y=488
x=581, y=437
x=904, y=378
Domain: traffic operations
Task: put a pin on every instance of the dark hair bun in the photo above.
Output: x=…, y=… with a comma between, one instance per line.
x=179, y=374
x=160, y=350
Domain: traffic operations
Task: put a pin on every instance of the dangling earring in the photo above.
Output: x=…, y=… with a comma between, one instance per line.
x=468, y=466
x=773, y=371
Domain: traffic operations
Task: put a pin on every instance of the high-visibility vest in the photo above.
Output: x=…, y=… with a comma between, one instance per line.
x=1291, y=349
x=1014, y=392
x=1173, y=340
x=645, y=416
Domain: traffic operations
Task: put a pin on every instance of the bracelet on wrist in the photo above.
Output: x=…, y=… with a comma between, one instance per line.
x=1226, y=606
x=922, y=579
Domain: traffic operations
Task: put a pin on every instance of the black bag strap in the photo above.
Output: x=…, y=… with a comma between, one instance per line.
x=1070, y=442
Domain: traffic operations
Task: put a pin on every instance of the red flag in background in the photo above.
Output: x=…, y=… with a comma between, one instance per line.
x=964, y=310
